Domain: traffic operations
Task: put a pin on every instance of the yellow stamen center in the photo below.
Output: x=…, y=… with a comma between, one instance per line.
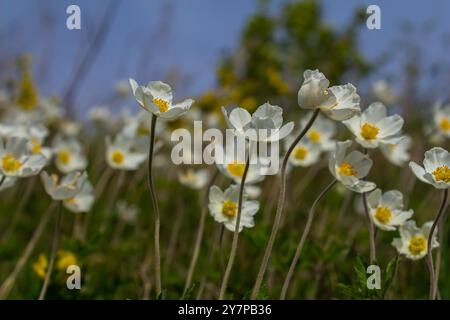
x=10, y=164
x=383, y=215
x=369, y=131
x=236, y=169
x=314, y=136
x=347, y=169
x=417, y=245
x=163, y=105
x=35, y=146
x=444, y=124
x=117, y=157
x=71, y=201
x=229, y=208
x=143, y=131
x=442, y=174
x=300, y=153
x=64, y=156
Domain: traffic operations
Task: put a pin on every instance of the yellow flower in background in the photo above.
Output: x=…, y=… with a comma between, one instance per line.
x=65, y=259
x=40, y=266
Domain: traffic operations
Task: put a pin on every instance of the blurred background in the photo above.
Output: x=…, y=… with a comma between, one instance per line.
x=203, y=47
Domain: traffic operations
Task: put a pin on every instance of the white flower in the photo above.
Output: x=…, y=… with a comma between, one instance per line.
x=253, y=192
x=441, y=117
x=265, y=124
x=156, y=98
x=397, y=153
x=413, y=241
x=68, y=155
x=127, y=212
x=234, y=167
x=383, y=92
x=304, y=154
x=386, y=210
x=194, y=179
x=68, y=187
x=223, y=206
x=374, y=127
x=119, y=154
x=83, y=201
x=350, y=168
x=321, y=132
x=70, y=128
x=16, y=160
x=436, y=168
x=100, y=114
x=338, y=102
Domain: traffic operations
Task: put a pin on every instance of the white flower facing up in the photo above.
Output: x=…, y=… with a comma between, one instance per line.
x=83, y=201
x=304, y=154
x=17, y=161
x=119, y=154
x=386, y=209
x=337, y=102
x=397, y=153
x=413, y=241
x=265, y=124
x=68, y=155
x=350, y=168
x=194, y=179
x=374, y=126
x=223, y=206
x=436, y=168
x=156, y=98
x=233, y=167
x=321, y=132
x=65, y=188
x=441, y=117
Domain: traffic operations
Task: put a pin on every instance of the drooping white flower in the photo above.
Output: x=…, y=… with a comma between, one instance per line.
x=68, y=155
x=304, y=154
x=156, y=98
x=265, y=124
x=337, y=102
x=223, y=206
x=413, y=241
x=194, y=179
x=436, y=168
x=65, y=188
x=321, y=132
x=83, y=201
x=17, y=161
x=374, y=127
x=119, y=154
x=384, y=92
x=397, y=153
x=386, y=209
x=350, y=168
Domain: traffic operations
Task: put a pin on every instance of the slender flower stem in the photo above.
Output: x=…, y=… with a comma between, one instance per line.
x=234, y=244
x=151, y=186
x=301, y=243
x=55, y=243
x=2, y=179
x=280, y=206
x=433, y=279
x=199, y=237
x=373, y=248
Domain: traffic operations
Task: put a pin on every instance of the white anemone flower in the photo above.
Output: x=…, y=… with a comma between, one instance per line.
x=68, y=155
x=223, y=206
x=119, y=154
x=374, y=127
x=413, y=241
x=305, y=153
x=441, y=117
x=17, y=161
x=436, y=168
x=83, y=201
x=337, y=102
x=100, y=115
x=233, y=167
x=194, y=179
x=156, y=98
x=265, y=124
x=321, y=132
x=65, y=188
x=350, y=168
x=397, y=153
x=386, y=209
x=384, y=92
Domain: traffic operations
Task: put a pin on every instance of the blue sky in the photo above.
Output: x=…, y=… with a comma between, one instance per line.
x=199, y=32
